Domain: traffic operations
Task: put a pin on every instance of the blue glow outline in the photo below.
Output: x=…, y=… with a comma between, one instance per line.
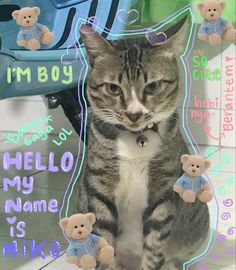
x=80, y=20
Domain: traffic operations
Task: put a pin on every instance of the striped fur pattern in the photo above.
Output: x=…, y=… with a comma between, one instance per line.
x=129, y=187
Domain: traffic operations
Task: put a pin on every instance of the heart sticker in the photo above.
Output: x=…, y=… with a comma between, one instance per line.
x=11, y=220
x=128, y=17
x=71, y=55
x=94, y=22
x=154, y=38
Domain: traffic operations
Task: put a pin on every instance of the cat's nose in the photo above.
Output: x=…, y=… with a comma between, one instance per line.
x=134, y=116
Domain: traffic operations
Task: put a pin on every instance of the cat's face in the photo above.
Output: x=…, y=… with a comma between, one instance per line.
x=131, y=85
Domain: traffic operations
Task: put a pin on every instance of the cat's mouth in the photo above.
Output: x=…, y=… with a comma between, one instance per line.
x=136, y=127
x=139, y=125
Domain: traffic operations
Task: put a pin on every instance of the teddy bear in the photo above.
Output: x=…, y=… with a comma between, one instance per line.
x=191, y=184
x=31, y=34
x=85, y=248
x=214, y=29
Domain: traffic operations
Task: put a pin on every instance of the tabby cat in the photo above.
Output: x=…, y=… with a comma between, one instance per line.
x=133, y=155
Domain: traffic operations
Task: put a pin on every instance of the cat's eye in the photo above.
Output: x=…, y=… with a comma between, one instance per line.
x=82, y=225
x=197, y=166
x=209, y=10
x=192, y=165
x=76, y=227
x=114, y=89
x=152, y=88
x=214, y=9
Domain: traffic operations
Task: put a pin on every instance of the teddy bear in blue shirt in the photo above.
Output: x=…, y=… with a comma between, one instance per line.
x=214, y=28
x=31, y=34
x=85, y=248
x=192, y=184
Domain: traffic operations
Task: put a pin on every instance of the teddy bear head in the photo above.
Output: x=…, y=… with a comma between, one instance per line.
x=26, y=17
x=211, y=9
x=78, y=226
x=194, y=166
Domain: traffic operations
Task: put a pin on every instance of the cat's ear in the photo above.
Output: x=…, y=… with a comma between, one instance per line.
x=94, y=43
x=176, y=44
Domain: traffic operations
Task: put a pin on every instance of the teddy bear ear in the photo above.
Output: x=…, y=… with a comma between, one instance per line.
x=36, y=10
x=200, y=6
x=184, y=158
x=207, y=164
x=222, y=5
x=15, y=14
x=63, y=223
x=91, y=217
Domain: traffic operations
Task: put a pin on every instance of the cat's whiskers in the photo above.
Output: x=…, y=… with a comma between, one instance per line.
x=107, y=111
x=102, y=119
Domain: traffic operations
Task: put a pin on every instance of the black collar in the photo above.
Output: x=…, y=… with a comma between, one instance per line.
x=111, y=131
x=154, y=128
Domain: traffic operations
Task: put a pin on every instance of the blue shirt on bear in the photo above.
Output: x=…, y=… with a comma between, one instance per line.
x=216, y=27
x=34, y=32
x=78, y=248
x=188, y=183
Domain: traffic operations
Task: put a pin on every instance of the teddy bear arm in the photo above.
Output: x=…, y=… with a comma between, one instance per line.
x=47, y=36
x=45, y=29
x=21, y=42
x=206, y=186
x=71, y=251
x=203, y=29
x=178, y=189
x=203, y=36
x=21, y=39
x=105, y=251
x=102, y=243
x=205, y=195
x=228, y=26
x=179, y=185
